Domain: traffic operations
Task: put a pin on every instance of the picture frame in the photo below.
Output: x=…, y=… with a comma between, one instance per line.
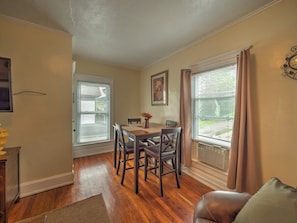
x=5, y=85
x=159, y=88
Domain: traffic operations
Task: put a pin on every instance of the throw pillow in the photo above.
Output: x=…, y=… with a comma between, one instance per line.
x=274, y=202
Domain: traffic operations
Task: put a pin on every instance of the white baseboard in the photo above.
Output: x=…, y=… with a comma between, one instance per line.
x=44, y=184
x=92, y=149
x=211, y=177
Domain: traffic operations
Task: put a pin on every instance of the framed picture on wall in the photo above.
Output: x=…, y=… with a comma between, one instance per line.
x=159, y=88
x=5, y=85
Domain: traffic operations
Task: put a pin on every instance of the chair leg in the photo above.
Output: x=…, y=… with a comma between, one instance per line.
x=124, y=169
x=173, y=163
x=176, y=175
x=145, y=166
x=160, y=177
x=119, y=162
x=155, y=165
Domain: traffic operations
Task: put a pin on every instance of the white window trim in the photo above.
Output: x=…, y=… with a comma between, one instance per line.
x=90, y=78
x=216, y=62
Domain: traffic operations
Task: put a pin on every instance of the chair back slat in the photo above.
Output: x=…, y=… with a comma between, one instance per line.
x=166, y=153
x=121, y=139
x=170, y=139
x=134, y=120
x=171, y=123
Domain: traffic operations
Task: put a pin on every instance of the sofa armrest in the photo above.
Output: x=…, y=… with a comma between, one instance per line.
x=219, y=206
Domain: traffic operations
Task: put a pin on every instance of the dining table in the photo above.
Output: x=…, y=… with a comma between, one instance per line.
x=138, y=133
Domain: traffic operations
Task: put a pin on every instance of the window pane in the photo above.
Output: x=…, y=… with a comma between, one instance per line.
x=93, y=112
x=213, y=103
x=87, y=106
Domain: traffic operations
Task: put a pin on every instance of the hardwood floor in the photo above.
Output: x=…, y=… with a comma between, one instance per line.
x=95, y=174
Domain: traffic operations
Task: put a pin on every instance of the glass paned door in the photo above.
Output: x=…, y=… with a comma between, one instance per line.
x=93, y=112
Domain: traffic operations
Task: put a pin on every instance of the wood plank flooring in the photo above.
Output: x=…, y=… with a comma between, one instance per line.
x=95, y=174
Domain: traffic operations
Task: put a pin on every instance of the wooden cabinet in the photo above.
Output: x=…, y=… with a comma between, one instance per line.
x=9, y=181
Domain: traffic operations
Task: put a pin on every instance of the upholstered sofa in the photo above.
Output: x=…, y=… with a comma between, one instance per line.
x=274, y=202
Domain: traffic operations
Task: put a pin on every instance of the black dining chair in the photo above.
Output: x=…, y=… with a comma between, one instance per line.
x=156, y=140
x=171, y=123
x=126, y=147
x=162, y=152
x=134, y=120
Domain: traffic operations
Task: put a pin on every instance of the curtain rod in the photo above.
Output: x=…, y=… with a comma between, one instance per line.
x=231, y=52
x=246, y=48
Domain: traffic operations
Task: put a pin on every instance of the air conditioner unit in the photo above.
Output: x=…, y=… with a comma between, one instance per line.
x=214, y=155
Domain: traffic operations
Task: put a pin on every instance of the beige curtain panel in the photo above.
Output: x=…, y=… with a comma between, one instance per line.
x=185, y=116
x=243, y=175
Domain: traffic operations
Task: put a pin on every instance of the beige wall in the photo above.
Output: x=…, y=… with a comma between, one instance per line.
x=41, y=125
x=42, y=61
x=125, y=82
x=272, y=33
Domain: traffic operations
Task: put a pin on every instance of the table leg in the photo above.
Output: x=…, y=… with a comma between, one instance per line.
x=115, y=135
x=136, y=164
x=179, y=155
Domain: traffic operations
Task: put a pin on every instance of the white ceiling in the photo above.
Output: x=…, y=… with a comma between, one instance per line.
x=132, y=33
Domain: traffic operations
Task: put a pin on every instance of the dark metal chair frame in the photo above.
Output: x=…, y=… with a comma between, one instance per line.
x=156, y=140
x=166, y=150
x=171, y=123
x=125, y=149
x=134, y=120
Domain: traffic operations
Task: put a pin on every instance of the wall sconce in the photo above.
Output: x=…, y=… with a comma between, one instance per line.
x=290, y=67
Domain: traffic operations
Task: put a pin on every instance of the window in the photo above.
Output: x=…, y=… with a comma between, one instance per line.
x=213, y=104
x=93, y=110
